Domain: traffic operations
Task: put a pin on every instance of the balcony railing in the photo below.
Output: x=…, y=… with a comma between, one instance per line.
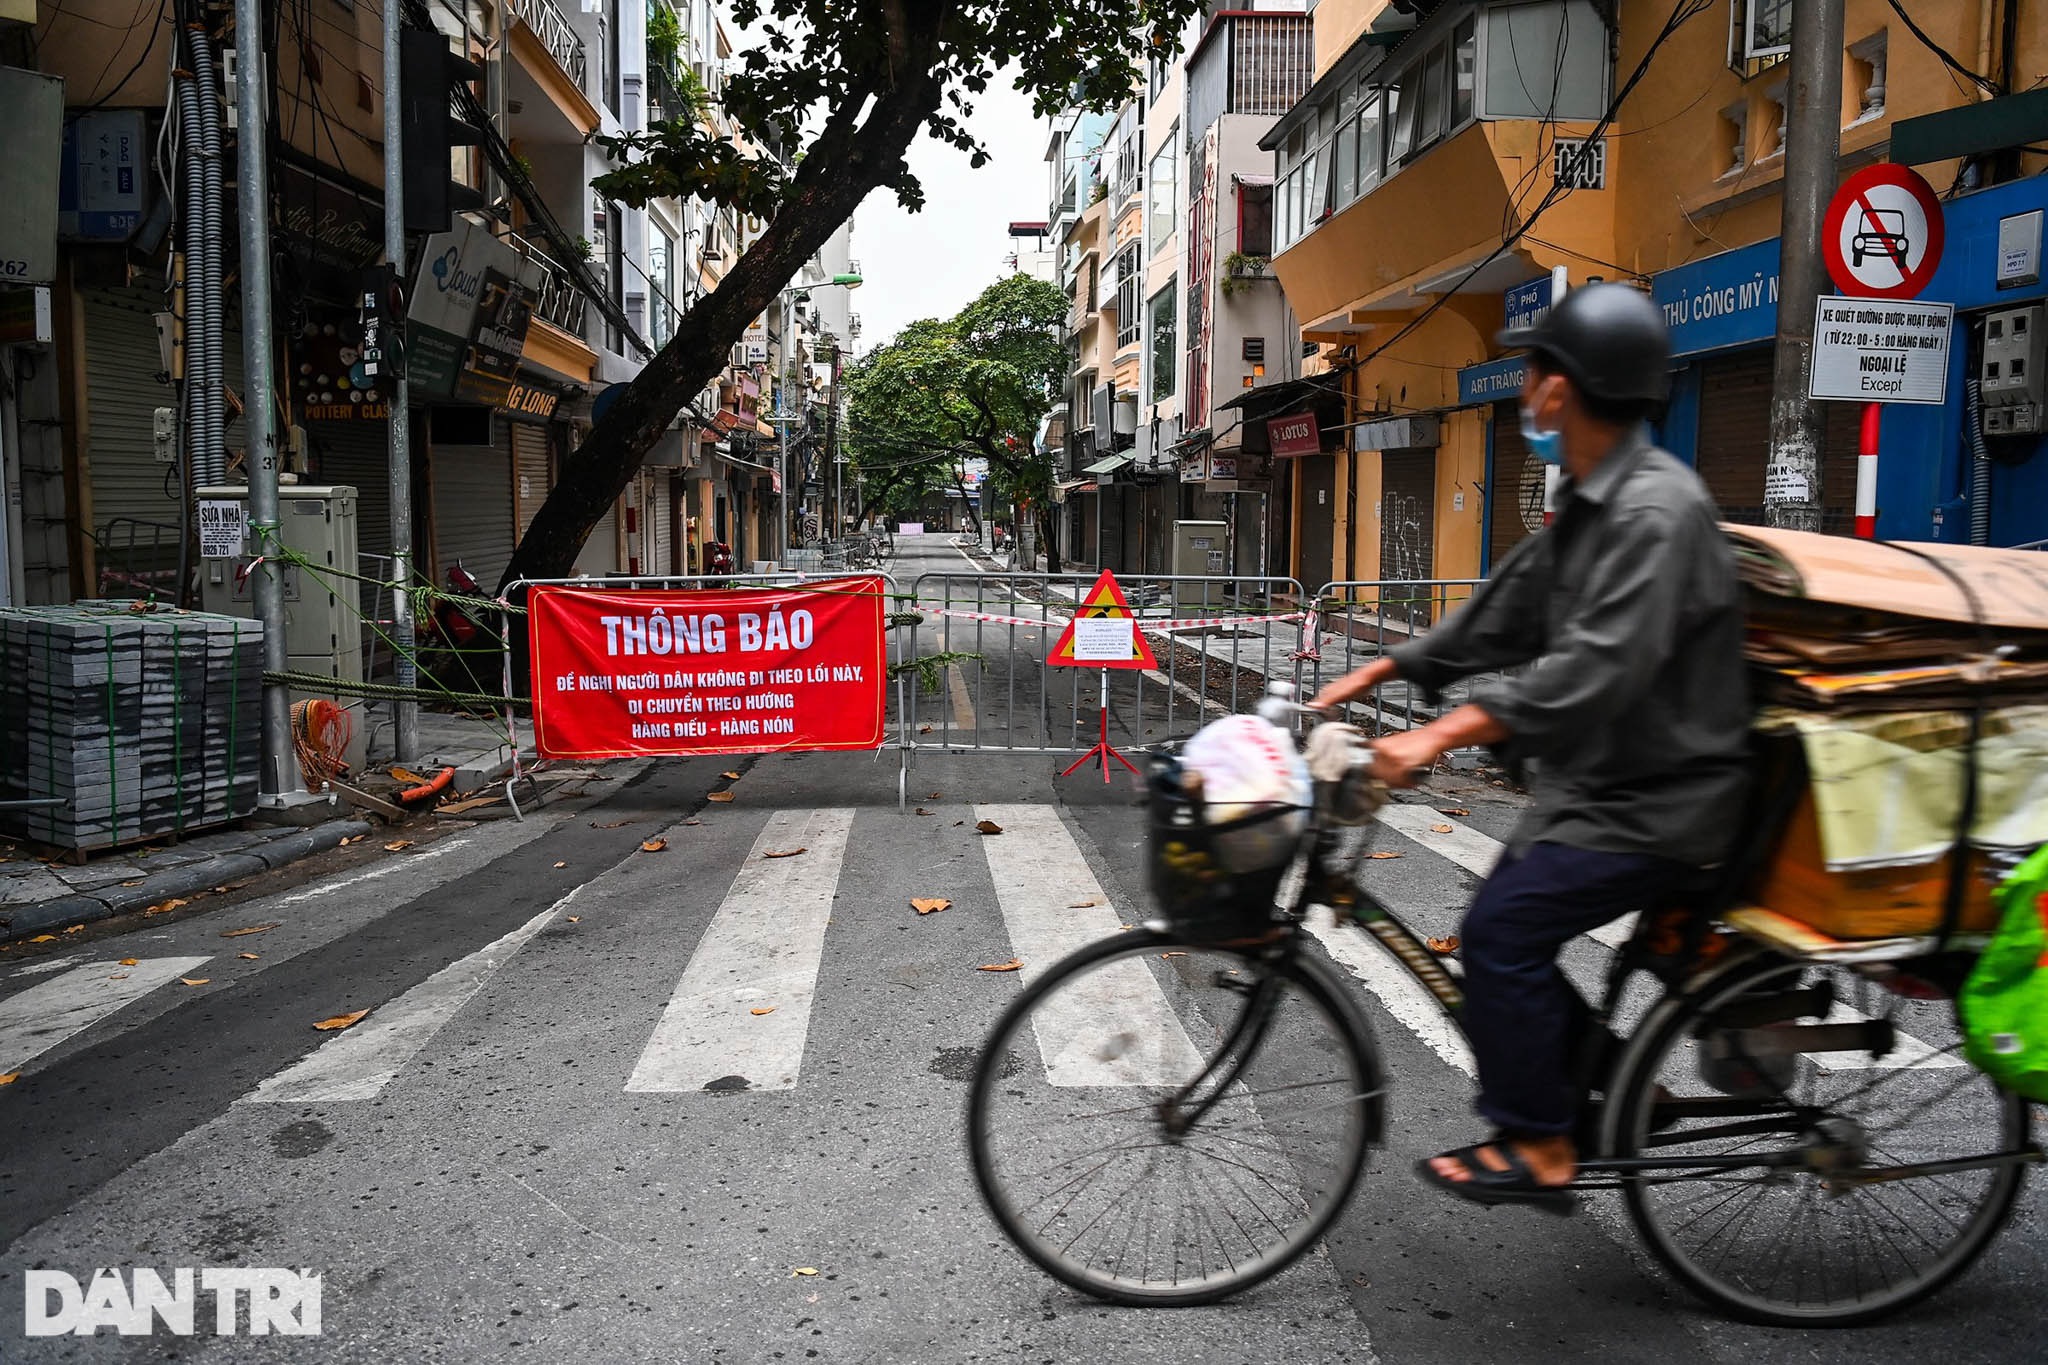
x=561, y=300
x=664, y=97
x=552, y=27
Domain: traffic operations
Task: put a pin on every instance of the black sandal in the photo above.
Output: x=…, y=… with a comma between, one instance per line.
x=1515, y=1185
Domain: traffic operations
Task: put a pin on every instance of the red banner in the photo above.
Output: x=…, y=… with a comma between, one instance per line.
x=1294, y=435
x=677, y=672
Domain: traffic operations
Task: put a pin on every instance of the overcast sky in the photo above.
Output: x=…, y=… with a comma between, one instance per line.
x=929, y=263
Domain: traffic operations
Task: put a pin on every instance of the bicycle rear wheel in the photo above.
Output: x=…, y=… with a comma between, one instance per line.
x=1840, y=1222
x=1156, y=1122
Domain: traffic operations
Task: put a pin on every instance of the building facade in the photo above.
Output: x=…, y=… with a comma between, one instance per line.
x=1438, y=178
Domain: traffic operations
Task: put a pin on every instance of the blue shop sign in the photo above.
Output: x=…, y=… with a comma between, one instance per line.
x=1725, y=300
x=1525, y=304
x=1491, y=382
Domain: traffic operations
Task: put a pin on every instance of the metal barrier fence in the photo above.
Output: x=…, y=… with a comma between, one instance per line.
x=1360, y=620
x=982, y=683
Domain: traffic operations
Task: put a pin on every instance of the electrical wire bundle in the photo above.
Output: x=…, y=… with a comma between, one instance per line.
x=321, y=732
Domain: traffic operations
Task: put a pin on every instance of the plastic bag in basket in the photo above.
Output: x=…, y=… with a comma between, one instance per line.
x=1250, y=768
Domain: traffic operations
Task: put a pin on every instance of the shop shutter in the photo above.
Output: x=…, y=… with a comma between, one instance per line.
x=135, y=502
x=661, y=525
x=1514, y=508
x=359, y=454
x=1735, y=433
x=1407, y=519
x=600, y=553
x=531, y=475
x=472, y=511
x=1735, y=442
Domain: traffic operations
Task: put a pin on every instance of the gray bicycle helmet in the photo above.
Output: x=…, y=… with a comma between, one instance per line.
x=1608, y=339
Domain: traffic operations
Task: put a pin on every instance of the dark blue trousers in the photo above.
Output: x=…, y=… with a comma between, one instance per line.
x=1523, y=1017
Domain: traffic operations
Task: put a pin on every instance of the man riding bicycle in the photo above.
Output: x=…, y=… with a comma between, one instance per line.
x=1632, y=716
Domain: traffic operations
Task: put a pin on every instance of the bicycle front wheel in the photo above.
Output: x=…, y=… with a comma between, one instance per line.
x=1852, y=1162
x=1157, y=1122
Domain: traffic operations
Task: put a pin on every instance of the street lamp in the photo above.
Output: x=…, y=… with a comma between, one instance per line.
x=784, y=418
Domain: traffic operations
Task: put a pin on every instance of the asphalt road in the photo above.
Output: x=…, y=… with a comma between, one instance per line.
x=563, y=1133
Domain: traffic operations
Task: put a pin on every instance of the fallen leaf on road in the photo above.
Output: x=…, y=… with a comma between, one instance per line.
x=406, y=775
x=1083, y=905
x=1454, y=811
x=1012, y=965
x=130, y=961
x=44, y=938
x=247, y=957
x=1442, y=829
x=958, y=823
x=561, y=865
x=1382, y=856
x=922, y=811
x=341, y=1021
x=987, y=827
x=693, y=822
x=164, y=907
x=803, y=1270
x=353, y=839
x=575, y=919
x=730, y=777
x=1443, y=946
x=1175, y=953
x=721, y=796
x=252, y=929
x=10, y=1078
x=76, y=929
x=195, y=980
x=136, y=882
x=924, y=729
x=764, y=1009
x=609, y=824
x=396, y=844
x=118, y=976
x=654, y=846
x=929, y=905
x=784, y=853
x=933, y=796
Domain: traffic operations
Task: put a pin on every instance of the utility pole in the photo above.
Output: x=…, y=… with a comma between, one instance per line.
x=405, y=711
x=280, y=772
x=834, y=529
x=1813, y=141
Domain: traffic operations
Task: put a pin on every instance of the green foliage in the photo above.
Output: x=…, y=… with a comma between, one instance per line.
x=664, y=37
x=822, y=66
x=1239, y=270
x=971, y=386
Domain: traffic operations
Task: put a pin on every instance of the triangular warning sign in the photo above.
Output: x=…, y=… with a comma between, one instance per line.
x=1105, y=601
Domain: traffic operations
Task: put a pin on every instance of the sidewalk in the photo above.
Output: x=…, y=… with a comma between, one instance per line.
x=38, y=897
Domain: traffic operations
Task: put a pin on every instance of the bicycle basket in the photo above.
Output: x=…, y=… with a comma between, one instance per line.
x=1200, y=894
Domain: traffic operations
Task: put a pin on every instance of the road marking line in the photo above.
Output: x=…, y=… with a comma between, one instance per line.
x=1476, y=852
x=761, y=951
x=1404, y=997
x=445, y=845
x=358, y=1064
x=963, y=706
x=39, y=1018
x=1041, y=880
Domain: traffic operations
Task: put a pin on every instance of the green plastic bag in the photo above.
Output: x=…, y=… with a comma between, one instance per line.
x=2004, y=1004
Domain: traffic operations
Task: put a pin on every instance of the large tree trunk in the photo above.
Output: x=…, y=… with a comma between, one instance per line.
x=838, y=171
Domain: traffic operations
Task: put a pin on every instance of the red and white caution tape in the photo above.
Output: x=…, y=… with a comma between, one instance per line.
x=1156, y=627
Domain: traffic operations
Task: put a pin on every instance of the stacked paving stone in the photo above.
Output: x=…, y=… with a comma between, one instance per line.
x=145, y=723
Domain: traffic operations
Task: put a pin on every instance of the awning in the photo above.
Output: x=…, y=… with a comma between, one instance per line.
x=1066, y=488
x=1109, y=464
x=1282, y=394
x=764, y=429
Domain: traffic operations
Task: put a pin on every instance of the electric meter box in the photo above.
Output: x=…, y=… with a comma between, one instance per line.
x=2009, y=375
x=1200, y=550
x=323, y=602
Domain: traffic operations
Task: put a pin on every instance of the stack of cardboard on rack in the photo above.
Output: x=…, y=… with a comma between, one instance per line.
x=1874, y=663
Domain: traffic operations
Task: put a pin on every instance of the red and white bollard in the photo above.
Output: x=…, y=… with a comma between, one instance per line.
x=1866, y=473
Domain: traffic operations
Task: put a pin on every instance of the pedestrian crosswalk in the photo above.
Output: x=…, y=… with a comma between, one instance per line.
x=740, y=1014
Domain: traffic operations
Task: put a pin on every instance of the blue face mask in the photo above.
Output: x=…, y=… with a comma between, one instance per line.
x=1547, y=446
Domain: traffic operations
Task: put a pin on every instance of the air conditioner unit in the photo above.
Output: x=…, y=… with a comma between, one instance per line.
x=1126, y=416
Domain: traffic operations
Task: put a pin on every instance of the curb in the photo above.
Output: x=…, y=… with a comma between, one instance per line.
x=63, y=911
